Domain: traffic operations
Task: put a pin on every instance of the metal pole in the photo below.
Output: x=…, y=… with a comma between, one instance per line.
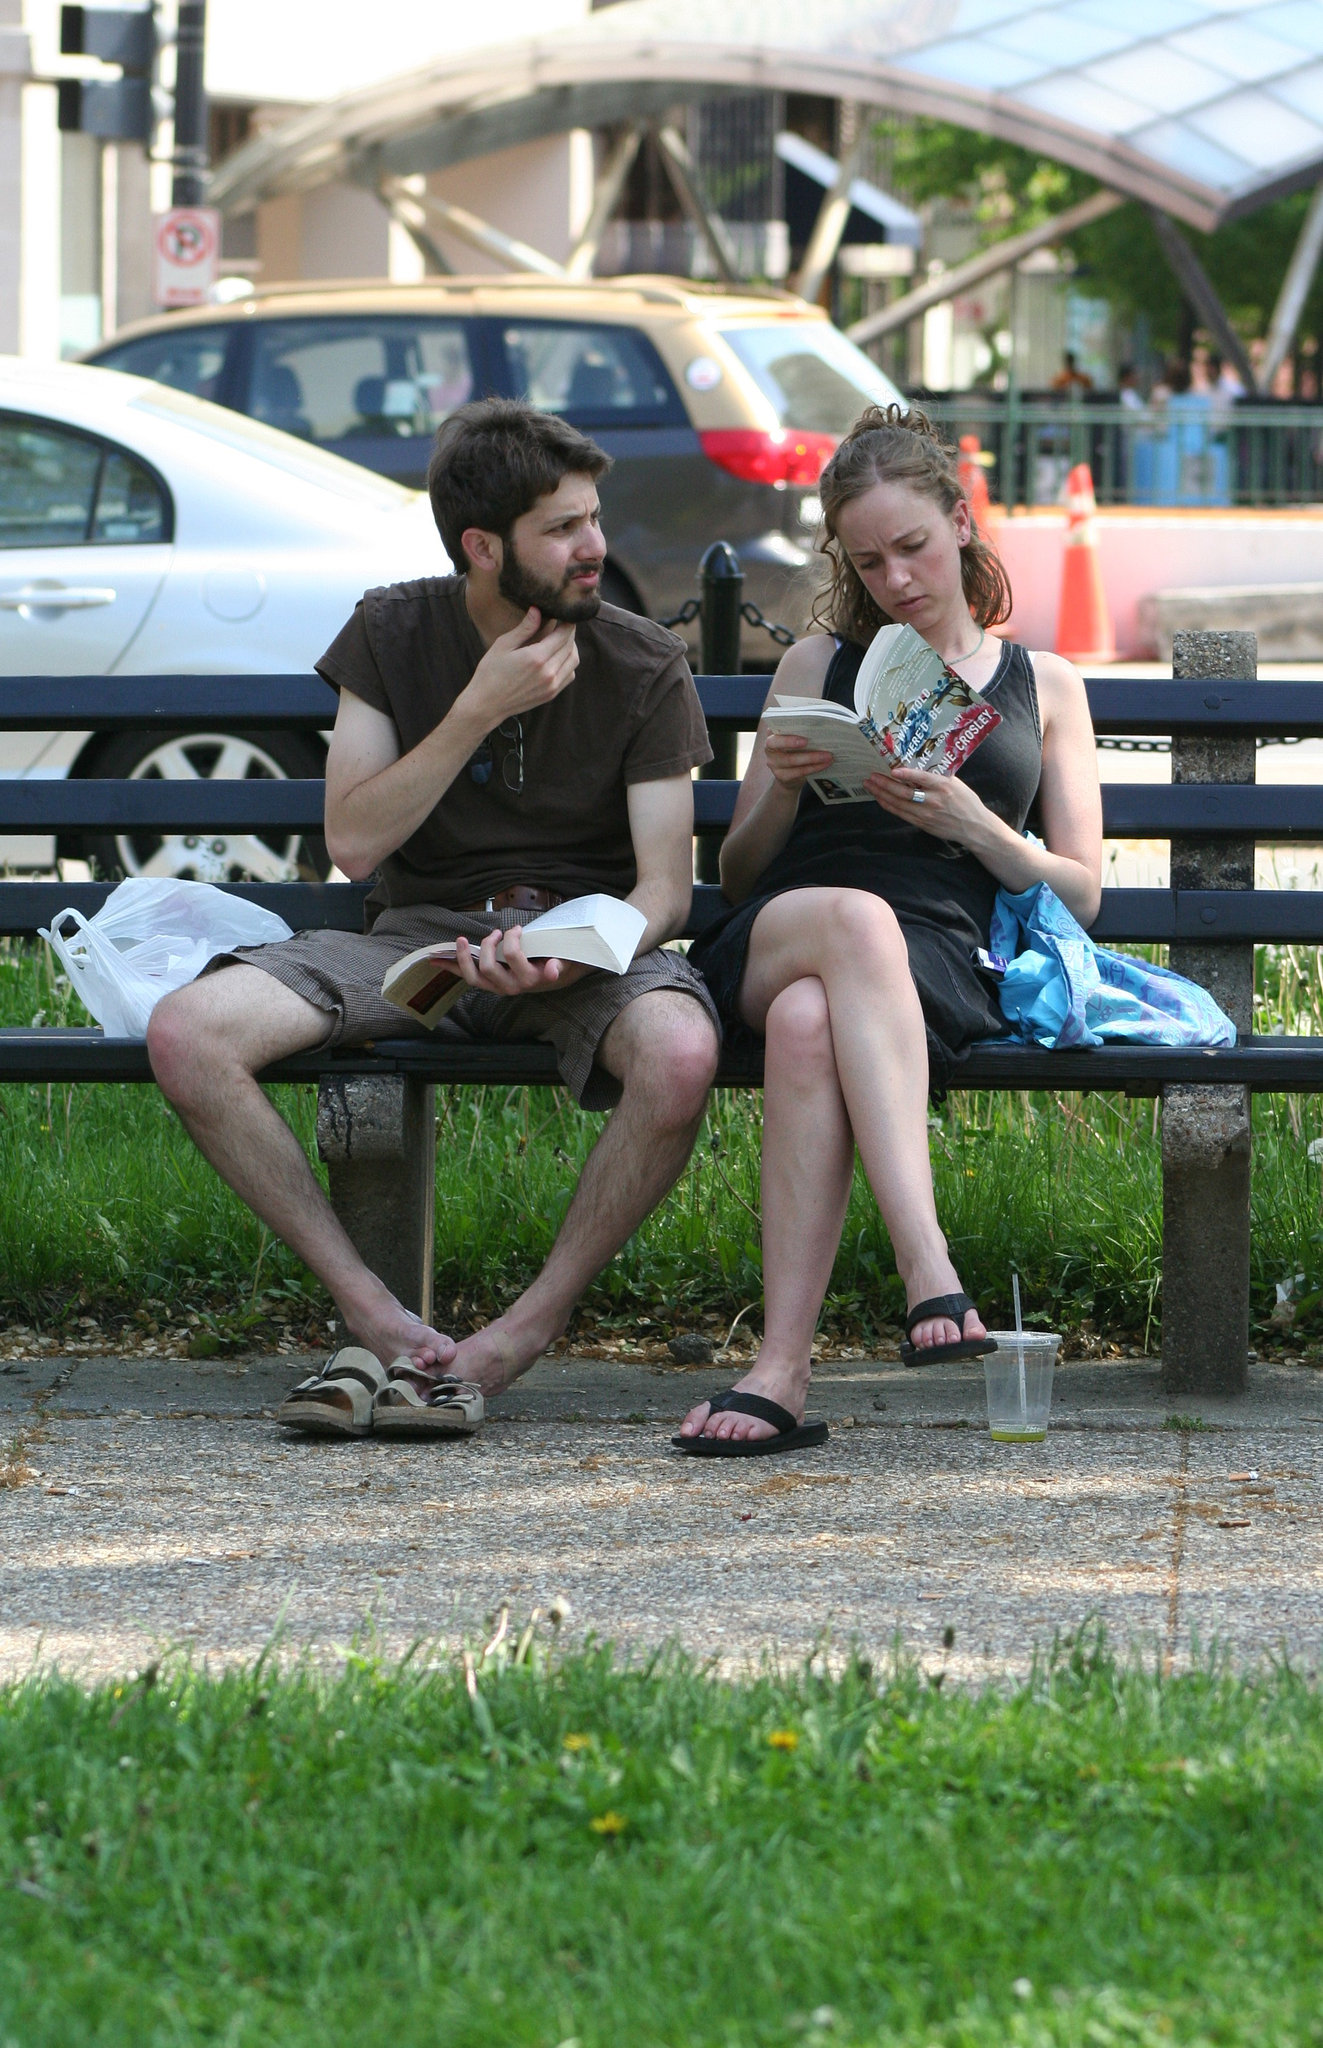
x=1194, y=281
x=1001, y=256
x=683, y=173
x=606, y=197
x=1295, y=290
x=721, y=583
x=190, y=156
x=833, y=214
x=466, y=227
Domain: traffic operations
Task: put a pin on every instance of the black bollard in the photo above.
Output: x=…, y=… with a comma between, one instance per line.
x=721, y=582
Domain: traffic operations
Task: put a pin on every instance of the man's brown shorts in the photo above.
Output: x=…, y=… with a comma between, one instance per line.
x=342, y=973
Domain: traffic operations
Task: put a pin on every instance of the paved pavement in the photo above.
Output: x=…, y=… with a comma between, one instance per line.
x=166, y=1508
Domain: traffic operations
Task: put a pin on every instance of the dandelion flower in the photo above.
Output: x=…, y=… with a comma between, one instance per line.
x=783, y=1738
x=608, y=1823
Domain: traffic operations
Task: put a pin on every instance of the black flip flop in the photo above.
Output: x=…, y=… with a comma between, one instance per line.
x=790, y=1435
x=954, y=1307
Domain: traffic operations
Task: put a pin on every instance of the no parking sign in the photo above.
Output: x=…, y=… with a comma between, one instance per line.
x=186, y=251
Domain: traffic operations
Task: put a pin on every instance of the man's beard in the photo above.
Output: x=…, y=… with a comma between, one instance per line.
x=555, y=601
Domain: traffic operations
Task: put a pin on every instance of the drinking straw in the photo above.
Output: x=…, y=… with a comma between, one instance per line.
x=1019, y=1344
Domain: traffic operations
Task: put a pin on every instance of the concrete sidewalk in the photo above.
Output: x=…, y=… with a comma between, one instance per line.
x=166, y=1508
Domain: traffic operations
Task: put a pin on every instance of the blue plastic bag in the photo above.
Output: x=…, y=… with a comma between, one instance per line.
x=1061, y=990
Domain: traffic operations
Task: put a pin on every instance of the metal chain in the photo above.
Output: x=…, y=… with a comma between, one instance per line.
x=1119, y=746
x=751, y=615
x=749, y=612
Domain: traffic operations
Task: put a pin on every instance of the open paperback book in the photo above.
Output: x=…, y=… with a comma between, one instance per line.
x=599, y=931
x=910, y=710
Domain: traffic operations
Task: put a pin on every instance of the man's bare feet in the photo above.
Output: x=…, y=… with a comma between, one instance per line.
x=787, y=1385
x=392, y=1332
x=494, y=1357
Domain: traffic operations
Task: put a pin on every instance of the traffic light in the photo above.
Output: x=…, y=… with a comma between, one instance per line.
x=119, y=109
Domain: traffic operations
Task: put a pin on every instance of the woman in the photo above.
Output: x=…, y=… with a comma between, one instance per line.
x=852, y=949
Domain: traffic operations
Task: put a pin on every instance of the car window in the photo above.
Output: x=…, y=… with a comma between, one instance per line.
x=191, y=360
x=350, y=379
x=814, y=377
x=596, y=375
x=61, y=489
x=129, y=502
x=264, y=444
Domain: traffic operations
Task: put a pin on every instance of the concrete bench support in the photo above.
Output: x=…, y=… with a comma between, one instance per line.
x=1205, y=1239
x=377, y=1137
x=1206, y=1130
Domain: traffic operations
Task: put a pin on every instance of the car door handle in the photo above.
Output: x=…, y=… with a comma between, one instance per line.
x=47, y=597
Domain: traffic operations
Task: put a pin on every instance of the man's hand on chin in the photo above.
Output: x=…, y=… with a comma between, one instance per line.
x=501, y=966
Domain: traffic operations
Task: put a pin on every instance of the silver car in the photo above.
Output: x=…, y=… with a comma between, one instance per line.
x=147, y=532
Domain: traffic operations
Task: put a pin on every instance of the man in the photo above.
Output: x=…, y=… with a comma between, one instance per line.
x=1070, y=378
x=503, y=742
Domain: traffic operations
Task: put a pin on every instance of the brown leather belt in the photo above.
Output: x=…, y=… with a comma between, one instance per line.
x=523, y=896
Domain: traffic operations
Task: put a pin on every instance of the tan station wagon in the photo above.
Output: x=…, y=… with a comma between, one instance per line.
x=720, y=405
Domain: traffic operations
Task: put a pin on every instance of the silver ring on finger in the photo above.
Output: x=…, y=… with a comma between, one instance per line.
x=919, y=796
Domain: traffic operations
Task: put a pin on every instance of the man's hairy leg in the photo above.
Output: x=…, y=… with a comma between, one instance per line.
x=663, y=1048
x=207, y=1042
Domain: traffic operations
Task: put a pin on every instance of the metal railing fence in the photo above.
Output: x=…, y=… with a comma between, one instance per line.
x=1188, y=451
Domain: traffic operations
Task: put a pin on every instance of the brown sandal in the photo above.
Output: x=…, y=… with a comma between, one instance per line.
x=337, y=1401
x=415, y=1402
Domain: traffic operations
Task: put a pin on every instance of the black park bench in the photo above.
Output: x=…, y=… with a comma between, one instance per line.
x=376, y=1125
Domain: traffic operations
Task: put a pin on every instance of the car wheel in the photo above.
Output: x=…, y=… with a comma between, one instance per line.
x=210, y=857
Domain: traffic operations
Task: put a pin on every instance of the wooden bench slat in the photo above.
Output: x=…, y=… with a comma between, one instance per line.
x=305, y=906
x=1120, y=704
x=1265, y=1065
x=135, y=703
x=1131, y=810
x=1137, y=916
x=156, y=804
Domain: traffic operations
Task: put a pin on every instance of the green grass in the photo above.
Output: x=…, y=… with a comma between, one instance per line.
x=106, y=1208
x=583, y=1852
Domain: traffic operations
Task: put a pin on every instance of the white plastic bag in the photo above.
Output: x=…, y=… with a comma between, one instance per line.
x=151, y=935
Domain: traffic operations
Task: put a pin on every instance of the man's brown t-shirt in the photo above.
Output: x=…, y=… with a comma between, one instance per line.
x=631, y=714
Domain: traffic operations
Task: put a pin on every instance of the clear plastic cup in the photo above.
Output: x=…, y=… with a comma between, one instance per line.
x=1019, y=1403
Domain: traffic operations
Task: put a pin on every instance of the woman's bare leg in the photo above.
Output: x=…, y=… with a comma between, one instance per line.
x=807, y=1167
x=850, y=941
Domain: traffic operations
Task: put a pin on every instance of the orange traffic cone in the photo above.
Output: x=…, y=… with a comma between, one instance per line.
x=972, y=470
x=1084, y=624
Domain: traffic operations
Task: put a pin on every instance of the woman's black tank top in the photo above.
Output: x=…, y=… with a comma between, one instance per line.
x=943, y=897
x=924, y=879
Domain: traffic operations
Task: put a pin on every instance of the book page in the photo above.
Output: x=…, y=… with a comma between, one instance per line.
x=599, y=931
x=855, y=755
x=809, y=707
x=425, y=982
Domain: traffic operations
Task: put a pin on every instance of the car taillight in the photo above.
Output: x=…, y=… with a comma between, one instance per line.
x=787, y=456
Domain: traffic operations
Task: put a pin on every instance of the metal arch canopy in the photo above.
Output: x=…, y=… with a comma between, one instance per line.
x=1204, y=109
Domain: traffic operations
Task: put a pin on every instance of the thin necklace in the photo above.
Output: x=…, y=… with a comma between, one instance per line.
x=982, y=636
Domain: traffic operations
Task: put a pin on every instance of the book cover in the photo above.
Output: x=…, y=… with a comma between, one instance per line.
x=910, y=710
x=598, y=931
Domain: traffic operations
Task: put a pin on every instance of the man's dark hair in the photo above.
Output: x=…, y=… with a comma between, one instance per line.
x=494, y=459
